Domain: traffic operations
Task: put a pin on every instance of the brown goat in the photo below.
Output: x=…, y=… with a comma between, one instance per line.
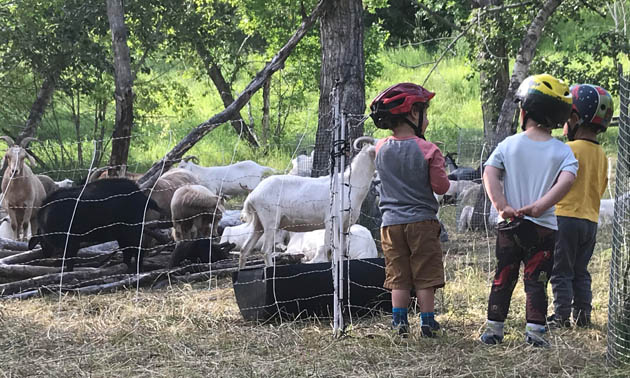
x=22, y=191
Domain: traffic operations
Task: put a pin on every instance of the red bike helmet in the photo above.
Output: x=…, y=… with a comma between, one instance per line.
x=397, y=100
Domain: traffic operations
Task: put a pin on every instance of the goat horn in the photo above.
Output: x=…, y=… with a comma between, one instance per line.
x=24, y=143
x=194, y=158
x=363, y=139
x=8, y=139
x=96, y=174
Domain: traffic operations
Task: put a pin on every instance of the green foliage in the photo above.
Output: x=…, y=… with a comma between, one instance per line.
x=582, y=55
x=174, y=93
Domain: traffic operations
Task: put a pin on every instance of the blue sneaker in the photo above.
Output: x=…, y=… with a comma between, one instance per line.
x=402, y=330
x=430, y=330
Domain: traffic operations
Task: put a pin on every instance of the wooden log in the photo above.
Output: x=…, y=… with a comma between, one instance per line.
x=6, y=253
x=23, y=257
x=20, y=272
x=13, y=245
x=54, y=278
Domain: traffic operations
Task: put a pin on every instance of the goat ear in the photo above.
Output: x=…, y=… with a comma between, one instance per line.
x=31, y=159
x=4, y=158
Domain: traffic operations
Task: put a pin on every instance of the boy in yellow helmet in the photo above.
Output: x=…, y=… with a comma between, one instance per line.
x=537, y=170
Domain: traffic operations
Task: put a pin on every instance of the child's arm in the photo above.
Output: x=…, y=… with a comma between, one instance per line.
x=492, y=183
x=437, y=173
x=555, y=194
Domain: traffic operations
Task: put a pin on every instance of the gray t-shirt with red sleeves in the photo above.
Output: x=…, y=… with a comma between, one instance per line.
x=530, y=170
x=411, y=169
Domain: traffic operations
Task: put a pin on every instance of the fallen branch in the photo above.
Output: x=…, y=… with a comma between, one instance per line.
x=54, y=277
x=13, y=245
x=6, y=253
x=23, y=257
x=19, y=272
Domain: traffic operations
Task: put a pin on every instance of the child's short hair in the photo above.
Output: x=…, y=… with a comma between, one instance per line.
x=391, y=121
x=592, y=127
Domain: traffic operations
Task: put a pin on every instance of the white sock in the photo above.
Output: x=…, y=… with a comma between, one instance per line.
x=538, y=328
x=495, y=326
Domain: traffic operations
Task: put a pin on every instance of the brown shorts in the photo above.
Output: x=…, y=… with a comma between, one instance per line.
x=413, y=255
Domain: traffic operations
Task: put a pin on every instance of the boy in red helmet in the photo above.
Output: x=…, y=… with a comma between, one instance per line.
x=411, y=170
x=537, y=171
x=578, y=211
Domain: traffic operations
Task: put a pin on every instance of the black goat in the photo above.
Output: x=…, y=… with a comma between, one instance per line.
x=199, y=251
x=103, y=211
x=457, y=173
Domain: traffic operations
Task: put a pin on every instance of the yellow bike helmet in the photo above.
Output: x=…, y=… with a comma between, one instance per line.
x=545, y=99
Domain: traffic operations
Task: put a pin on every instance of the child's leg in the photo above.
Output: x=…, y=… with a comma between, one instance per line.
x=509, y=257
x=583, y=295
x=397, y=273
x=562, y=276
x=426, y=297
x=538, y=268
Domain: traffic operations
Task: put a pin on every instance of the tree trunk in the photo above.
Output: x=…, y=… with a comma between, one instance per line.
x=39, y=106
x=225, y=91
x=506, y=124
x=265, y=110
x=201, y=130
x=121, y=138
x=343, y=66
x=76, y=114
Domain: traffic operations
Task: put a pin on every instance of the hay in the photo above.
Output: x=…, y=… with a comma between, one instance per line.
x=197, y=330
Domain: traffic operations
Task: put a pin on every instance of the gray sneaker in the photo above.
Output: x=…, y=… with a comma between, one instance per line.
x=490, y=338
x=536, y=339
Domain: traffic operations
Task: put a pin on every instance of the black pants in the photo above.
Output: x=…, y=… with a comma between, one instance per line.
x=532, y=245
x=570, y=280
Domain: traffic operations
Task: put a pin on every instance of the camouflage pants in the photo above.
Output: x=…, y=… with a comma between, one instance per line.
x=533, y=245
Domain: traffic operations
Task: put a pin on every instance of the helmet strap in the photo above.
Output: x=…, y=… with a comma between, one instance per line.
x=416, y=128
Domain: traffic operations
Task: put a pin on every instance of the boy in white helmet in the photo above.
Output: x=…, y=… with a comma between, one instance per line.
x=537, y=171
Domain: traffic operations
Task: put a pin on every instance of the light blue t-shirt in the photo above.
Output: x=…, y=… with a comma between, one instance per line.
x=530, y=169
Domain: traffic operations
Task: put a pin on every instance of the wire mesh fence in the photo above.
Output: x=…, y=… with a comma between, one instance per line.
x=619, y=299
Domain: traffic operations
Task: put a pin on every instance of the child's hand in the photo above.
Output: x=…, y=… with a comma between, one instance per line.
x=532, y=210
x=508, y=213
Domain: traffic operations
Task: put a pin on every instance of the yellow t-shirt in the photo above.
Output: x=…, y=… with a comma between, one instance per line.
x=582, y=201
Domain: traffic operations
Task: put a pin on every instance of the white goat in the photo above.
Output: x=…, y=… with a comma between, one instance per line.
x=229, y=180
x=359, y=244
x=5, y=228
x=240, y=233
x=465, y=217
x=230, y=218
x=65, y=183
x=302, y=165
x=607, y=208
x=196, y=212
x=457, y=188
x=300, y=204
x=22, y=191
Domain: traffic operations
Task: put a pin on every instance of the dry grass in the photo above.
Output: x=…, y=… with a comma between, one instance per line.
x=198, y=331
